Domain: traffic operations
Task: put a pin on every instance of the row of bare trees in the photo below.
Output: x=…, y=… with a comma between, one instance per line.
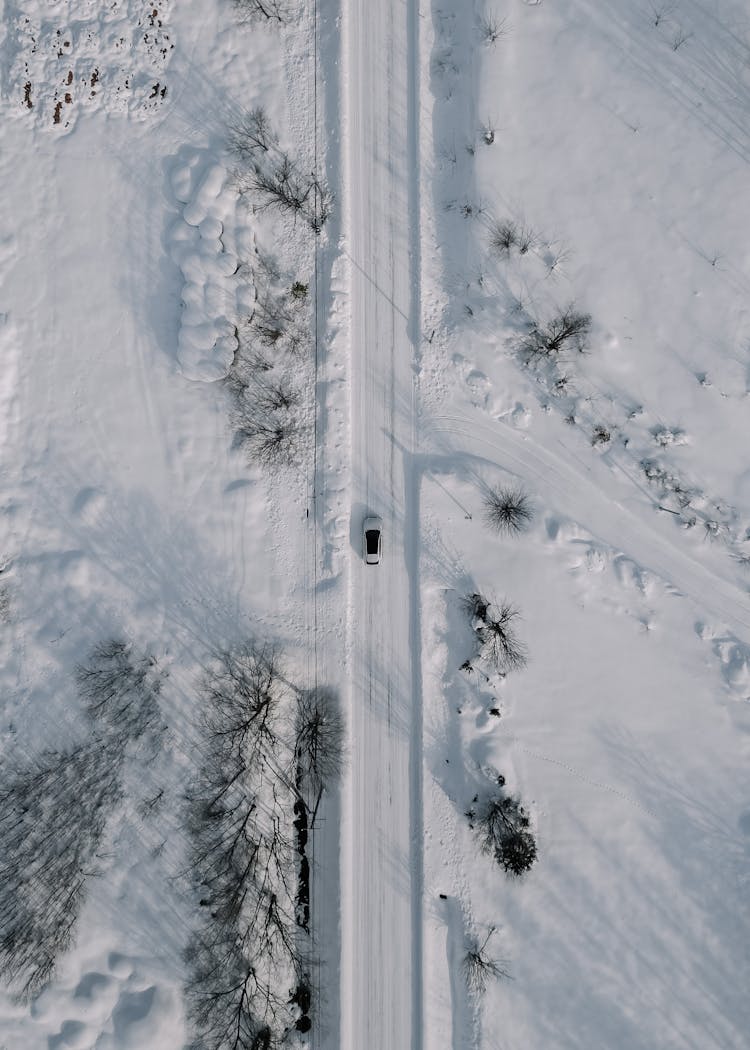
x=269, y=752
x=270, y=379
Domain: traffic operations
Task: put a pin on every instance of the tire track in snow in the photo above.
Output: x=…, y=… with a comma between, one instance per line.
x=608, y=519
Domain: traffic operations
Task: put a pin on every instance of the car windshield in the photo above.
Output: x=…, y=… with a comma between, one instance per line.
x=371, y=536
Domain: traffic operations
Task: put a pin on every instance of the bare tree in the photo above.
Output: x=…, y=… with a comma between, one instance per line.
x=221, y=993
x=250, y=133
x=319, y=743
x=500, y=645
x=480, y=967
x=245, y=960
x=508, y=509
x=662, y=11
x=496, y=638
x=491, y=27
x=271, y=439
x=244, y=690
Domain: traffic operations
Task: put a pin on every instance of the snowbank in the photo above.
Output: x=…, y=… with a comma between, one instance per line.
x=210, y=306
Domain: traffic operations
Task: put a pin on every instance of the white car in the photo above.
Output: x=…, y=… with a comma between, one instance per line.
x=372, y=531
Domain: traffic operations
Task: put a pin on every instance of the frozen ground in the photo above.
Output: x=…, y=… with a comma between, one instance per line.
x=612, y=139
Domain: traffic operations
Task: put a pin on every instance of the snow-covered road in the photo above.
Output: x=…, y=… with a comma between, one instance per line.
x=381, y=910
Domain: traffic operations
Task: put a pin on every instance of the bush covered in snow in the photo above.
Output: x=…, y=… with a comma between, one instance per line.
x=214, y=294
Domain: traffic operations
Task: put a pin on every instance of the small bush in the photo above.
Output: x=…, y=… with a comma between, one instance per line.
x=503, y=237
x=503, y=827
x=477, y=608
x=569, y=329
x=269, y=402
x=280, y=320
x=680, y=37
x=662, y=11
x=506, y=235
x=508, y=510
x=491, y=28
x=497, y=641
x=276, y=396
x=601, y=435
x=500, y=645
x=270, y=441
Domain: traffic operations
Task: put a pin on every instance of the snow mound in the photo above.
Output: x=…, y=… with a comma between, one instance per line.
x=9, y=352
x=211, y=290
x=125, y=1004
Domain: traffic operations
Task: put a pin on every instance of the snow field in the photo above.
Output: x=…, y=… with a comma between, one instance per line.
x=124, y=507
x=113, y=1001
x=618, y=155
x=615, y=159
x=615, y=734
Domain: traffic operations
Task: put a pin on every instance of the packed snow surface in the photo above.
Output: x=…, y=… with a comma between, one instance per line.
x=496, y=171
